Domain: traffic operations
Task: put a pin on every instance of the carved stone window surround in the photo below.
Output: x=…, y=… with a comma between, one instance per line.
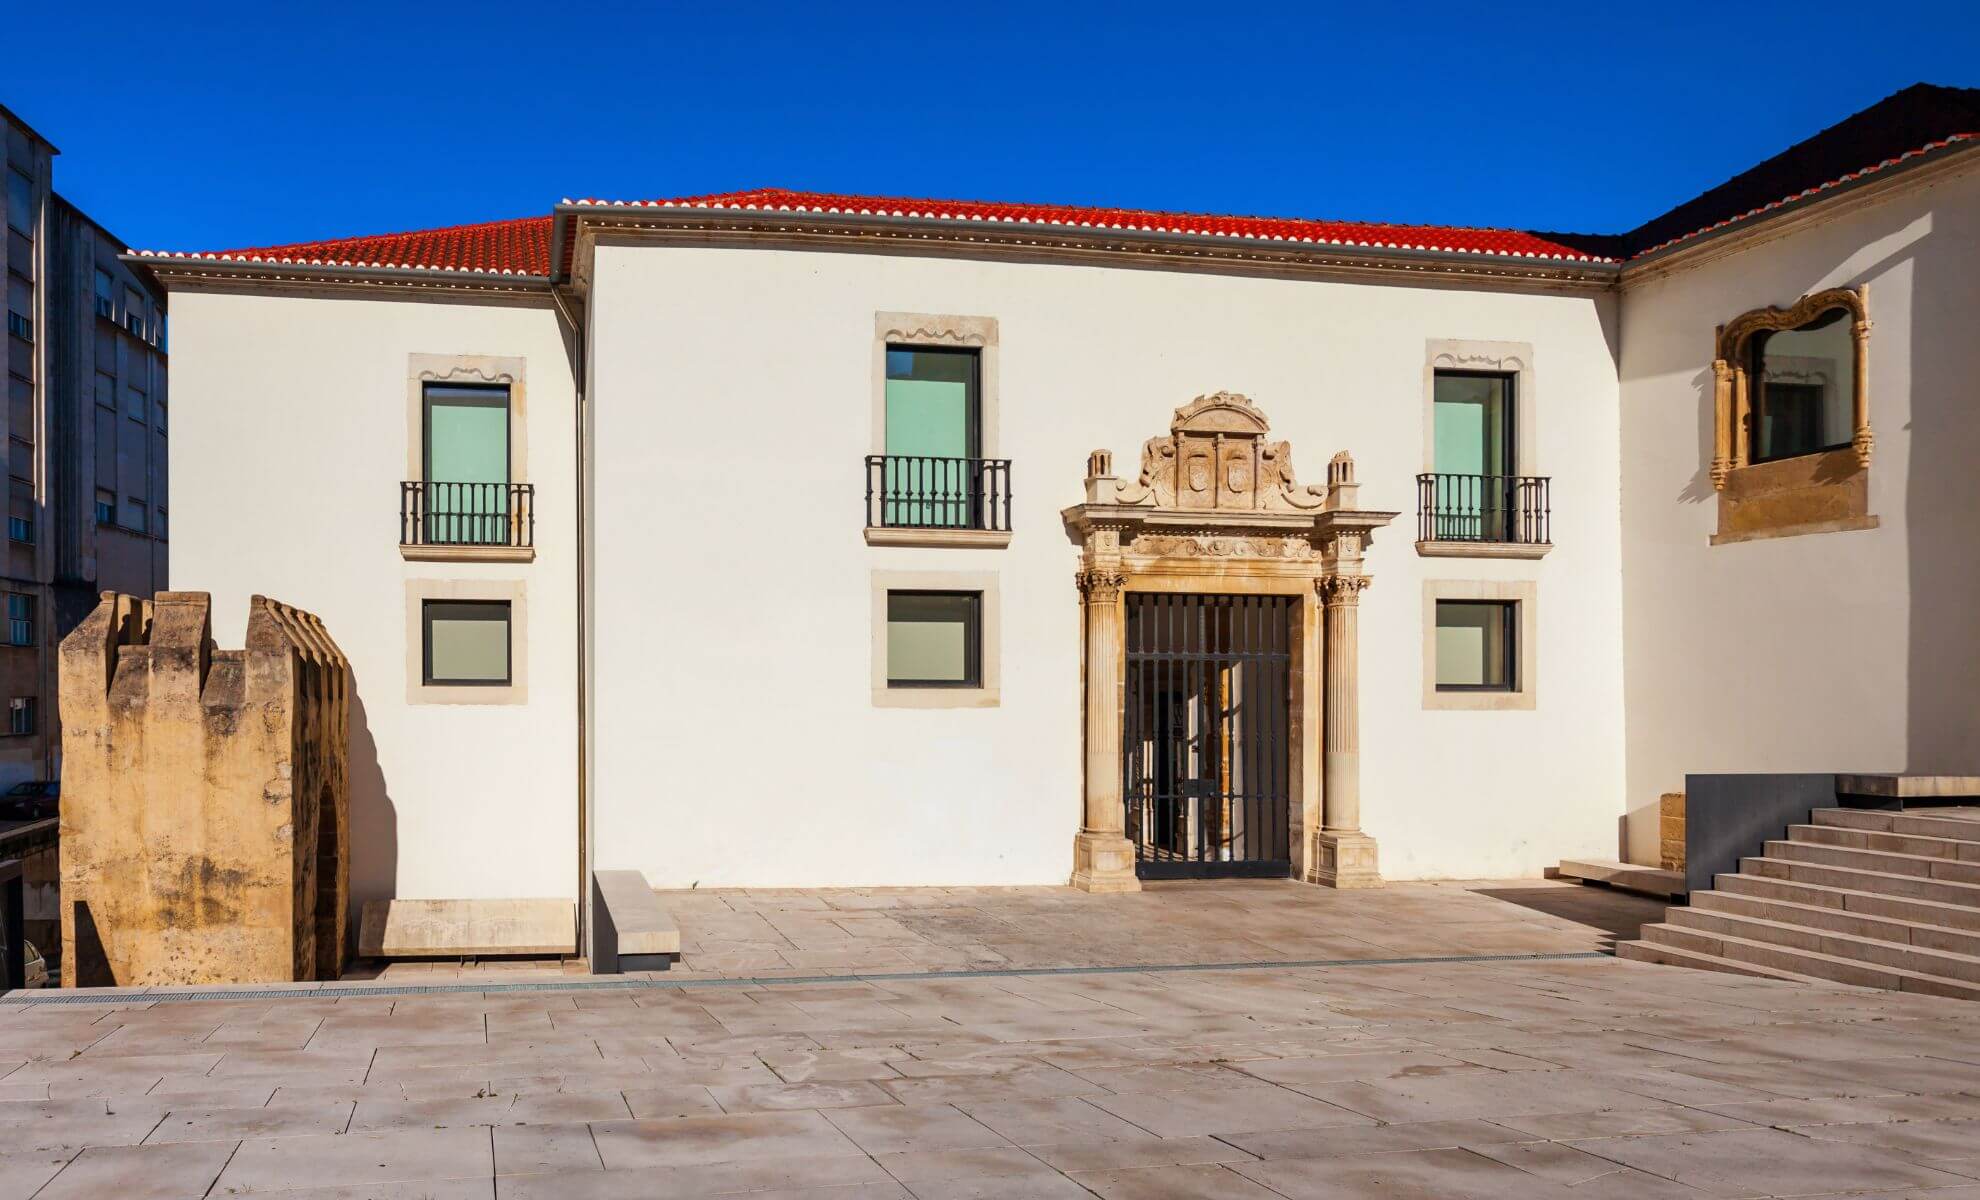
x=1523, y=592
x=989, y=692
x=1824, y=492
x=422, y=369
x=516, y=592
x=939, y=331
x=1514, y=359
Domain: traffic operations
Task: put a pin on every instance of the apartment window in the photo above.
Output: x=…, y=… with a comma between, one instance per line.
x=134, y=513
x=20, y=202
x=1477, y=646
x=932, y=437
x=160, y=405
x=135, y=405
x=106, y=506
x=158, y=530
x=466, y=449
x=465, y=643
x=21, y=716
x=20, y=519
x=20, y=325
x=106, y=295
x=106, y=390
x=20, y=619
x=934, y=639
x=134, y=311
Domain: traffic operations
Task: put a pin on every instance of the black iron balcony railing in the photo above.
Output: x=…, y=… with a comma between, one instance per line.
x=1483, y=508
x=908, y=491
x=467, y=514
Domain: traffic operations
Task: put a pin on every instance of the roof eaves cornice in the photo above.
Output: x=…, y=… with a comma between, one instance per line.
x=178, y=266
x=1183, y=245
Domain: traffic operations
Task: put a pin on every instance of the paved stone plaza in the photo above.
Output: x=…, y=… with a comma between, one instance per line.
x=1475, y=1076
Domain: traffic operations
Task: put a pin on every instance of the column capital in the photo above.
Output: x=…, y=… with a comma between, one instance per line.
x=1341, y=589
x=1100, y=584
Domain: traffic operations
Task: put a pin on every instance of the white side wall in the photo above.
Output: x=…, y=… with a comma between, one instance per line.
x=1850, y=651
x=736, y=738
x=288, y=442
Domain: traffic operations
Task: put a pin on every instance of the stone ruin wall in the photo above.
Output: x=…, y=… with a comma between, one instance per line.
x=205, y=796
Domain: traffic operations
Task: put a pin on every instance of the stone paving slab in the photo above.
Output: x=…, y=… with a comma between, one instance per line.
x=1580, y=1077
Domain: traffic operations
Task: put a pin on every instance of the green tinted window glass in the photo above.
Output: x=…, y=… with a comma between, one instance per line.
x=1475, y=645
x=467, y=641
x=1474, y=423
x=931, y=431
x=933, y=639
x=467, y=464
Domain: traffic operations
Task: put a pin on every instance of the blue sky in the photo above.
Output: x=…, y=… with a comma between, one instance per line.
x=194, y=126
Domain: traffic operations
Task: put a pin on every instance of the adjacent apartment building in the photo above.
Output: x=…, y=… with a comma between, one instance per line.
x=85, y=426
x=782, y=538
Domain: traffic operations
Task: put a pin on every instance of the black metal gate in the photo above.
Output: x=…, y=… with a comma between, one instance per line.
x=1206, y=735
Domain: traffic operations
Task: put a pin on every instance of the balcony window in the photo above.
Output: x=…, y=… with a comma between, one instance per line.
x=1475, y=493
x=931, y=475
x=1477, y=645
x=465, y=443
x=465, y=643
x=934, y=639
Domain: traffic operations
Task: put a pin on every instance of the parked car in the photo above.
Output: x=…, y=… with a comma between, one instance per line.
x=31, y=801
x=37, y=968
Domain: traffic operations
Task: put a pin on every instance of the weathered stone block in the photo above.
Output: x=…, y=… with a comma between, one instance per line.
x=1670, y=831
x=205, y=796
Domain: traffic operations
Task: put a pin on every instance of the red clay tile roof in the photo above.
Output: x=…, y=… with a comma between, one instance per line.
x=516, y=247
x=1435, y=238
x=1916, y=121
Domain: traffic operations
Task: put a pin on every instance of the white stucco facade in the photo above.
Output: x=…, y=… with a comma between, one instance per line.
x=292, y=446
x=736, y=739
x=1847, y=651
x=701, y=678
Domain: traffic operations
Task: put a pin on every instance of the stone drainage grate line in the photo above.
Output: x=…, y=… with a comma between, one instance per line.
x=338, y=991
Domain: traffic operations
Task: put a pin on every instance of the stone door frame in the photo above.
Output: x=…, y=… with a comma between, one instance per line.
x=1216, y=510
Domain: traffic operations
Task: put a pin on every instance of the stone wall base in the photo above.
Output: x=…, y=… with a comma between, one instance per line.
x=1104, y=863
x=1344, y=860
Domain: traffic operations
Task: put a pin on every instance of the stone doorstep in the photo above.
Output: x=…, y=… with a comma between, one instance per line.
x=467, y=928
x=1649, y=881
x=634, y=930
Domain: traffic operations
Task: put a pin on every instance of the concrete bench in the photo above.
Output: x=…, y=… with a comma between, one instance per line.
x=630, y=931
x=467, y=928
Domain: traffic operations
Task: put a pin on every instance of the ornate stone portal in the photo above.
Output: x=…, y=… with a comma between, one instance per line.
x=1216, y=508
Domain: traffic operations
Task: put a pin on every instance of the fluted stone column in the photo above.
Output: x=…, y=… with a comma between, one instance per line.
x=1343, y=856
x=1103, y=858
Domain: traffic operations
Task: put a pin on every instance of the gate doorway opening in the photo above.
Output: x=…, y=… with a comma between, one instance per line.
x=1206, y=735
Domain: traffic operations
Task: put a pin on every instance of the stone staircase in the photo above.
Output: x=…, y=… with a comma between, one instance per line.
x=1884, y=899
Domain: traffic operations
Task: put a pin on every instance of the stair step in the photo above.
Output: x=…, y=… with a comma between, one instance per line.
x=1823, y=919
x=1882, y=883
x=1876, y=860
x=1813, y=963
x=1889, y=843
x=1915, y=914
x=1674, y=956
x=1875, y=951
x=1922, y=822
x=1854, y=818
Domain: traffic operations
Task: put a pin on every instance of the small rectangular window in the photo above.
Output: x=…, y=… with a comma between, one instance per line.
x=466, y=642
x=134, y=512
x=20, y=715
x=106, y=507
x=1477, y=648
x=20, y=202
x=135, y=404
x=20, y=519
x=106, y=390
x=20, y=619
x=934, y=639
x=106, y=295
x=20, y=325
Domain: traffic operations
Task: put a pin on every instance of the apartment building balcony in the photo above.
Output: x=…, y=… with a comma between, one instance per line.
x=467, y=522
x=918, y=500
x=1484, y=516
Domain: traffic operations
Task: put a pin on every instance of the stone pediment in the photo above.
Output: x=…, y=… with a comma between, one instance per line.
x=1219, y=455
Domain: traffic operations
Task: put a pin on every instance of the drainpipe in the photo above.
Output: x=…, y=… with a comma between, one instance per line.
x=579, y=365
